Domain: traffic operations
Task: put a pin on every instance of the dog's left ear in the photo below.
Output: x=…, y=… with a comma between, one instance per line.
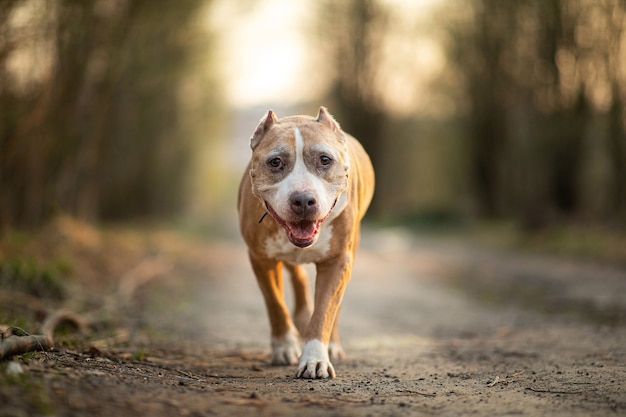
x=324, y=117
x=264, y=125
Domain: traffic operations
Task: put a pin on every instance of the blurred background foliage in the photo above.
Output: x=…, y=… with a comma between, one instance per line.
x=92, y=118
x=526, y=120
x=471, y=110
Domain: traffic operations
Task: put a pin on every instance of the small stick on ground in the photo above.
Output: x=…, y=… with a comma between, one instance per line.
x=63, y=316
x=549, y=391
x=17, y=345
x=425, y=394
x=494, y=382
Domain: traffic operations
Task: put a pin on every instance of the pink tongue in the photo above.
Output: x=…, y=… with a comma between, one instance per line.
x=304, y=230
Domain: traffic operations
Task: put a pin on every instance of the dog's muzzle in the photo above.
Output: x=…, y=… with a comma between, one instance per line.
x=304, y=232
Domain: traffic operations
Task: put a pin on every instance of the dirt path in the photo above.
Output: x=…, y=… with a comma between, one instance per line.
x=429, y=329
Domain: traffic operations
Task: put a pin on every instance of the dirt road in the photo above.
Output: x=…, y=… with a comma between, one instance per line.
x=428, y=329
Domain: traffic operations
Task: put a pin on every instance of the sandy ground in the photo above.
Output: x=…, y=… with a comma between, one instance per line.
x=429, y=328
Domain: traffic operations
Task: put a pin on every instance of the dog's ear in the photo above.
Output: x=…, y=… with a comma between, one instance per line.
x=326, y=118
x=264, y=125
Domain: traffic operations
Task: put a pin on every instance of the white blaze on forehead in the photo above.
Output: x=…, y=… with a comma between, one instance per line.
x=302, y=180
x=299, y=169
x=299, y=144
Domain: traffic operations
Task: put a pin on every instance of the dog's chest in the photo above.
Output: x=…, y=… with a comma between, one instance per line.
x=279, y=247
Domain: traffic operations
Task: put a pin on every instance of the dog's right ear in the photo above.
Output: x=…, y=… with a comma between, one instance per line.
x=264, y=125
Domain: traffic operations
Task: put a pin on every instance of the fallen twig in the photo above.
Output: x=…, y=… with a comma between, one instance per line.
x=62, y=316
x=498, y=380
x=425, y=394
x=549, y=391
x=6, y=331
x=19, y=344
x=191, y=376
x=494, y=382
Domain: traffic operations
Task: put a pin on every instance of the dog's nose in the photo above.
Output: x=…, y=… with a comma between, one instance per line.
x=303, y=203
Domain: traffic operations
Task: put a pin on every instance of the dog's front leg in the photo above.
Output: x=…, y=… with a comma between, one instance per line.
x=332, y=277
x=284, y=339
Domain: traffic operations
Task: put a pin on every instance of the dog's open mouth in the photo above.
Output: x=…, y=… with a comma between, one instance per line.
x=302, y=233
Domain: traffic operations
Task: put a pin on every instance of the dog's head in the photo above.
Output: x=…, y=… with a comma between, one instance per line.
x=299, y=169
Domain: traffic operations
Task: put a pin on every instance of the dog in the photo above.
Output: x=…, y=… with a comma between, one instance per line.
x=314, y=184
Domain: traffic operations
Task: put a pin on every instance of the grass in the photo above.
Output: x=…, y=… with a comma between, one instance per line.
x=32, y=277
x=574, y=240
x=584, y=242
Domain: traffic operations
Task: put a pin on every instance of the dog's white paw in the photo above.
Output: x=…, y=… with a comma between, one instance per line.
x=335, y=351
x=314, y=362
x=286, y=349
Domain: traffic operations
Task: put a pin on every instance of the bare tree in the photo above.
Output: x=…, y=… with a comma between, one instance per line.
x=353, y=33
x=538, y=76
x=96, y=132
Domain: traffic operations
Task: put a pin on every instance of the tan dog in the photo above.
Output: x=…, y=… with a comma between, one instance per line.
x=316, y=183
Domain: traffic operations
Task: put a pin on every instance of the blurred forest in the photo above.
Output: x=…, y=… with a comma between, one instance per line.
x=91, y=120
x=105, y=105
x=536, y=130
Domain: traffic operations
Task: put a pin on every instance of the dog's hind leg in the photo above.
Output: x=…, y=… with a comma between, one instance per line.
x=335, y=351
x=302, y=294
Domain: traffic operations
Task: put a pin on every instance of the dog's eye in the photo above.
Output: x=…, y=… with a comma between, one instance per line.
x=275, y=163
x=325, y=160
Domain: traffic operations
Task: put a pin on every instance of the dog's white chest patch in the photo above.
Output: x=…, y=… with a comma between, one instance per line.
x=279, y=247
